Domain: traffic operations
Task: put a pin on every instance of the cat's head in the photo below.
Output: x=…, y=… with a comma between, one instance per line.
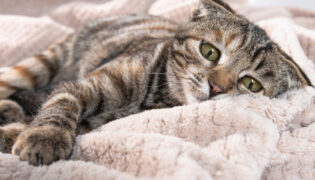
x=221, y=53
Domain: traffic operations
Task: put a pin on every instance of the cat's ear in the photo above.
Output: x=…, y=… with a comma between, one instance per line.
x=296, y=74
x=211, y=6
x=224, y=5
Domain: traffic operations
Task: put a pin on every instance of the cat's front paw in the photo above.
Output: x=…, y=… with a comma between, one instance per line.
x=43, y=145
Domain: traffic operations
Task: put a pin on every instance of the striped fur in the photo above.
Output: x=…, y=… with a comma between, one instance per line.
x=124, y=65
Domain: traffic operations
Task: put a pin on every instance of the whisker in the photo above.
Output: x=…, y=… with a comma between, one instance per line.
x=171, y=75
x=167, y=84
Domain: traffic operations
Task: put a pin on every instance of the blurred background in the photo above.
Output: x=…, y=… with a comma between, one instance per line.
x=304, y=4
x=40, y=7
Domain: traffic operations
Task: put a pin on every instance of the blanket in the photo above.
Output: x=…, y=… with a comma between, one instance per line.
x=244, y=137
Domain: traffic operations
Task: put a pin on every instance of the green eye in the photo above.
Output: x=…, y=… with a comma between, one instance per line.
x=209, y=52
x=251, y=84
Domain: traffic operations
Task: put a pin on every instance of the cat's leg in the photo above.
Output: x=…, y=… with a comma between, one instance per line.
x=10, y=112
x=31, y=73
x=34, y=72
x=12, y=124
x=8, y=135
x=51, y=134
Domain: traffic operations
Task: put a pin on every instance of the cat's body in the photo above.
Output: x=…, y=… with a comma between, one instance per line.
x=112, y=48
x=124, y=65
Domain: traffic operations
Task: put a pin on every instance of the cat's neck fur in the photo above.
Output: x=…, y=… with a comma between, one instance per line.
x=160, y=91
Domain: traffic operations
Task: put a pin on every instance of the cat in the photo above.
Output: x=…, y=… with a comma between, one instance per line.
x=123, y=65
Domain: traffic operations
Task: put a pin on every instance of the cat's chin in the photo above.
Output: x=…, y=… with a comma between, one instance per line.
x=212, y=97
x=200, y=95
x=193, y=99
x=190, y=99
x=220, y=96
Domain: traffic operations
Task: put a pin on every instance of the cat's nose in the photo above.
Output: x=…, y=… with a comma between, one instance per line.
x=215, y=89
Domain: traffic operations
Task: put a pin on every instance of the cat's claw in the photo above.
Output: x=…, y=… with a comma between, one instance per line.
x=39, y=159
x=43, y=145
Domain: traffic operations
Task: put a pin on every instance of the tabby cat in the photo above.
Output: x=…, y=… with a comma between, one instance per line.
x=119, y=66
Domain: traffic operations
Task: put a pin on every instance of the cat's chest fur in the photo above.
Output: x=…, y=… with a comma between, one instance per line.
x=139, y=77
x=143, y=89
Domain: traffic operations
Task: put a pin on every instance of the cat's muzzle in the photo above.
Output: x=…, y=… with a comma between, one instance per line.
x=215, y=89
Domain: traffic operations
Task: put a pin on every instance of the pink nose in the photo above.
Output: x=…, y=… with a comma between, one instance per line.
x=216, y=88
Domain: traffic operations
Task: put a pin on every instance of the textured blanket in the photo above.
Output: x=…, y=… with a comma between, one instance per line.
x=245, y=137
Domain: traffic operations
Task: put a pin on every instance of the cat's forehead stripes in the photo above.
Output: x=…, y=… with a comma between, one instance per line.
x=229, y=39
x=261, y=64
x=218, y=34
x=261, y=50
x=234, y=41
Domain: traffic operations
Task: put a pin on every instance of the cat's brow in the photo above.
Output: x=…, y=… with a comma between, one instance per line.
x=218, y=35
x=229, y=39
x=181, y=39
x=268, y=74
x=241, y=38
x=265, y=48
x=243, y=41
x=260, y=64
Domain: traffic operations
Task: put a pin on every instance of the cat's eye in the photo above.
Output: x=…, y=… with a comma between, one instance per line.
x=209, y=51
x=251, y=84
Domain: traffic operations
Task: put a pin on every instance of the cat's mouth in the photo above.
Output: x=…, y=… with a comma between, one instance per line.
x=209, y=91
x=215, y=90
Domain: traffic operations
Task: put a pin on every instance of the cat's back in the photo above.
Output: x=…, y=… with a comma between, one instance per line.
x=107, y=39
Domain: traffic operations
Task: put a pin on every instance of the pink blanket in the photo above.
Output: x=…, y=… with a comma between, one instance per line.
x=245, y=137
